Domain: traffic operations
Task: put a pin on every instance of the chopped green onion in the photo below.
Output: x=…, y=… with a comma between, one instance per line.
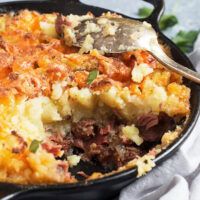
x=92, y=75
x=34, y=146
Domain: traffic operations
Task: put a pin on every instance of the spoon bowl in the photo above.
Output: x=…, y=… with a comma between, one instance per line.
x=124, y=34
x=118, y=35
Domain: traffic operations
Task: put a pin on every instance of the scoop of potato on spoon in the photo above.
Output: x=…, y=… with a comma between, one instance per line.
x=118, y=35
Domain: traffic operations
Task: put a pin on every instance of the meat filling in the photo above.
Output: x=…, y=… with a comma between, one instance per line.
x=152, y=127
x=103, y=143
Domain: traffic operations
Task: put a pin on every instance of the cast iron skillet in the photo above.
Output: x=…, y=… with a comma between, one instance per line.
x=108, y=187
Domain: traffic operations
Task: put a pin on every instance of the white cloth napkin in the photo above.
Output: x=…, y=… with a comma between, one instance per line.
x=178, y=178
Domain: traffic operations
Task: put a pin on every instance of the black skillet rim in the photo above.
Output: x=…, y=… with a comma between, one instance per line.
x=159, y=158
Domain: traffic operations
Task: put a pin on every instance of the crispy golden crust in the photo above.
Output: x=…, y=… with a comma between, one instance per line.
x=43, y=81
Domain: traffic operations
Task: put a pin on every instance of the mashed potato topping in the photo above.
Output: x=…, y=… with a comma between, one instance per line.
x=59, y=105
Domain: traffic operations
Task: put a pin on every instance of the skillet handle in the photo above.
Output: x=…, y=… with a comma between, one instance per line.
x=157, y=12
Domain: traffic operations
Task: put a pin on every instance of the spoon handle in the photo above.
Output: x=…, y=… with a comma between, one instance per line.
x=174, y=66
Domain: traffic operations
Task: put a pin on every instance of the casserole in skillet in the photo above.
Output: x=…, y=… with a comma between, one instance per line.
x=62, y=106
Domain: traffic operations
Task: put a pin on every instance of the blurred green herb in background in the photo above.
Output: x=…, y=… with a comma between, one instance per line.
x=167, y=21
x=144, y=12
x=184, y=40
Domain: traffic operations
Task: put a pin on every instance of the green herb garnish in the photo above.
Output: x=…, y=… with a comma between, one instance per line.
x=167, y=21
x=92, y=75
x=34, y=146
x=145, y=12
x=185, y=40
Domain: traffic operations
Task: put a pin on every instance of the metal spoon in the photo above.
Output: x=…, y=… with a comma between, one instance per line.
x=129, y=35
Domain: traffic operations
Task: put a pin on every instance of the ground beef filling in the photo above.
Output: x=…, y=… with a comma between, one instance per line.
x=152, y=127
x=102, y=142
